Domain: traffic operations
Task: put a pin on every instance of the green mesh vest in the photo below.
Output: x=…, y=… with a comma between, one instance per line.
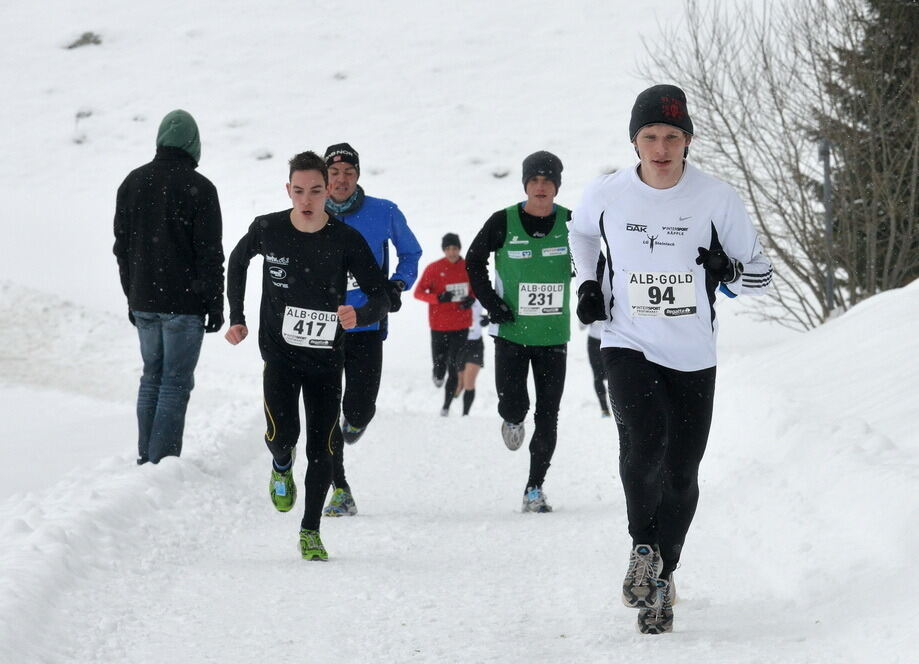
x=534, y=279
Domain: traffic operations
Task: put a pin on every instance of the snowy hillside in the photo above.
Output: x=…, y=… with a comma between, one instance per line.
x=802, y=546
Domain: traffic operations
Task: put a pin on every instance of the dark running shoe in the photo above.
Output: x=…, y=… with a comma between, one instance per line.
x=351, y=434
x=659, y=618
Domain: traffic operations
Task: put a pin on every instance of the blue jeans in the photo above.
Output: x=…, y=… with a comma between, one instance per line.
x=169, y=345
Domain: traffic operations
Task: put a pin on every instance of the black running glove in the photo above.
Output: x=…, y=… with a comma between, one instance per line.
x=394, y=290
x=446, y=296
x=591, y=306
x=501, y=314
x=719, y=266
x=131, y=317
x=214, y=321
x=483, y=320
x=467, y=302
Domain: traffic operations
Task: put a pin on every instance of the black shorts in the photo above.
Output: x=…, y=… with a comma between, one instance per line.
x=472, y=352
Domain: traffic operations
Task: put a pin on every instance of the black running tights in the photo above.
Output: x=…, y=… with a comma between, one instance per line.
x=445, y=351
x=321, y=400
x=512, y=365
x=664, y=417
x=599, y=372
x=363, y=367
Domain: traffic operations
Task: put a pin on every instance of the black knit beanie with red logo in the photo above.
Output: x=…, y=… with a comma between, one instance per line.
x=661, y=104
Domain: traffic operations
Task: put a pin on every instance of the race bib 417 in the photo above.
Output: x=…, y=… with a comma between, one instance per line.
x=309, y=328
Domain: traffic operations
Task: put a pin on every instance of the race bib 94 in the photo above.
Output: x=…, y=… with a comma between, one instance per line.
x=309, y=328
x=540, y=299
x=662, y=294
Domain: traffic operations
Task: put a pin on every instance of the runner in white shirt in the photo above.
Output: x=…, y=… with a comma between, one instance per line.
x=472, y=357
x=672, y=236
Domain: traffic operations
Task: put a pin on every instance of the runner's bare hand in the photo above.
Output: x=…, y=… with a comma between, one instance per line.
x=236, y=333
x=347, y=316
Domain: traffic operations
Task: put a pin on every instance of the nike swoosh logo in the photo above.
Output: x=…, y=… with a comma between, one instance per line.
x=685, y=218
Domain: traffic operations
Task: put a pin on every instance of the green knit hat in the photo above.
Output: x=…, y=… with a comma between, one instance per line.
x=179, y=130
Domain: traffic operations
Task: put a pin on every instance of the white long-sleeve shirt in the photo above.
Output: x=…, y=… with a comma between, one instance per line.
x=662, y=301
x=475, y=330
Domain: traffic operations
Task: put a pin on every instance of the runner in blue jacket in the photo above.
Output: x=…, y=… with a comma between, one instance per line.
x=380, y=222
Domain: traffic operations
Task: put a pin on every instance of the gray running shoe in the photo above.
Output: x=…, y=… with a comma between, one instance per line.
x=637, y=587
x=659, y=618
x=341, y=504
x=438, y=382
x=534, y=500
x=513, y=435
x=444, y=412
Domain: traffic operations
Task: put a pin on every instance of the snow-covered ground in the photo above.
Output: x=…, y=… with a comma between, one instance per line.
x=802, y=546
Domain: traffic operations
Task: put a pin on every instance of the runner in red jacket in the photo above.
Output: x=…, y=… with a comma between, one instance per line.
x=445, y=287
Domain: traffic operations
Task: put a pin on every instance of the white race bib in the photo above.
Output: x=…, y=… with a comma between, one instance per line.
x=459, y=290
x=309, y=328
x=540, y=299
x=352, y=282
x=662, y=294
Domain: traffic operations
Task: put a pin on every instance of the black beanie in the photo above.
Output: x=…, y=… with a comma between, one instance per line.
x=450, y=240
x=661, y=104
x=342, y=152
x=545, y=164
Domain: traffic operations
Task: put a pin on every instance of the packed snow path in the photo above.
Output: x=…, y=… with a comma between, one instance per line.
x=189, y=561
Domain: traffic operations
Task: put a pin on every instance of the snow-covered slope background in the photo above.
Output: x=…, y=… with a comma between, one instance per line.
x=803, y=544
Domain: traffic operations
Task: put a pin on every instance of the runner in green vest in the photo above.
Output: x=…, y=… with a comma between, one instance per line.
x=529, y=311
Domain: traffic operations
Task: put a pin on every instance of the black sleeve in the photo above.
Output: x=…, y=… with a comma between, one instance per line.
x=489, y=239
x=247, y=247
x=369, y=276
x=208, y=245
x=122, y=235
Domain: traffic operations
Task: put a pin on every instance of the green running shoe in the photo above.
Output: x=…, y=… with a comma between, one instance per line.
x=341, y=504
x=311, y=545
x=283, y=488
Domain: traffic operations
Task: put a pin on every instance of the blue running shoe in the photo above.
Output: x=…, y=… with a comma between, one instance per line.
x=534, y=500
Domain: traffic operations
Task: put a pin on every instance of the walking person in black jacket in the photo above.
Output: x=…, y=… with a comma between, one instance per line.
x=170, y=258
